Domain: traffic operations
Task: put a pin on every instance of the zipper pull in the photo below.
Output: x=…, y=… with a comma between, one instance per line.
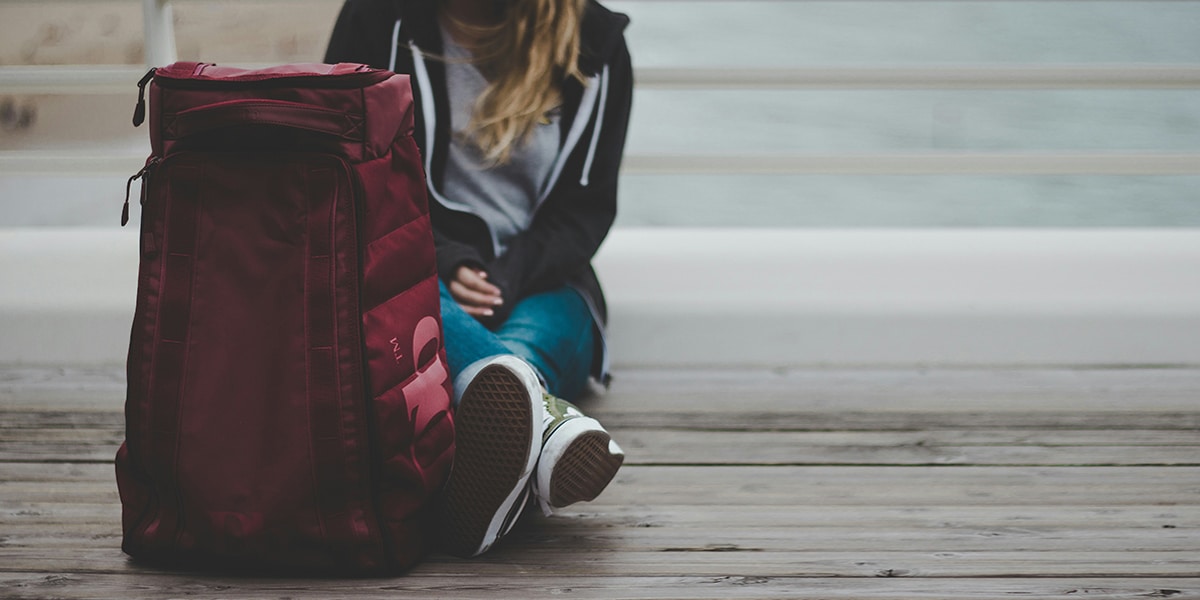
x=139, y=112
x=144, y=174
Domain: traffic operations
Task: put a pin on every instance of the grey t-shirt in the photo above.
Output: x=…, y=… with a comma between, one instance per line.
x=503, y=195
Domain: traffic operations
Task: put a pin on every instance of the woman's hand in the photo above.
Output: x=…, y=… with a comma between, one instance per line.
x=471, y=289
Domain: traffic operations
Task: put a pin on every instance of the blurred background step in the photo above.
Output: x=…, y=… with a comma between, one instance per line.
x=683, y=297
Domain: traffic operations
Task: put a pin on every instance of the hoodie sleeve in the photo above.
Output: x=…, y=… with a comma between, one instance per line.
x=362, y=33
x=452, y=254
x=569, y=228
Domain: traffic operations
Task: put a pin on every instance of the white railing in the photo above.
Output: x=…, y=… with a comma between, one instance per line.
x=1097, y=163
x=1010, y=77
x=104, y=79
x=160, y=49
x=159, y=32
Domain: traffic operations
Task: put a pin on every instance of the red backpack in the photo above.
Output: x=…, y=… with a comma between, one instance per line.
x=288, y=400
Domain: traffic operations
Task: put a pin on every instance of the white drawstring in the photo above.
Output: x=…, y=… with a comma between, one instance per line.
x=426, y=105
x=395, y=45
x=587, y=105
x=587, y=163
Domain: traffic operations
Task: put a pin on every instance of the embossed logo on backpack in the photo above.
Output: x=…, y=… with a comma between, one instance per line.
x=428, y=385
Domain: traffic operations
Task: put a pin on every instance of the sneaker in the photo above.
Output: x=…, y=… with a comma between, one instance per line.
x=578, y=458
x=498, y=422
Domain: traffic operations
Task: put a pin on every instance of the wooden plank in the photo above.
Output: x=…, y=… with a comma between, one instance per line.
x=831, y=384
x=657, y=446
x=56, y=472
x=90, y=436
x=21, y=427
x=42, y=444
x=839, y=515
x=618, y=416
x=971, y=437
x=988, y=519
x=69, y=492
x=1163, y=390
x=860, y=563
x=572, y=536
x=40, y=513
x=604, y=535
x=764, y=449
x=994, y=517
x=954, y=390
x=771, y=486
x=104, y=428
x=13, y=419
x=56, y=453
x=903, y=400
x=464, y=585
x=523, y=558
x=801, y=486
x=32, y=377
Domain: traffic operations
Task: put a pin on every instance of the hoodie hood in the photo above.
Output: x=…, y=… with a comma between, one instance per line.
x=600, y=32
x=601, y=37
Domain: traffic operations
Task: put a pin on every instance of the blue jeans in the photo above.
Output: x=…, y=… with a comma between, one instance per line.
x=551, y=331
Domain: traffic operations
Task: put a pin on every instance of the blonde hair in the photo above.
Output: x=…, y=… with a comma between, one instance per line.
x=524, y=56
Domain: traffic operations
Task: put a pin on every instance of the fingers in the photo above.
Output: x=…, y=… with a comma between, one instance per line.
x=476, y=280
x=473, y=299
x=476, y=311
x=474, y=293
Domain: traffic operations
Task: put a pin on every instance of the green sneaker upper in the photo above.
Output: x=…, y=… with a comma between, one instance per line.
x=558, y=411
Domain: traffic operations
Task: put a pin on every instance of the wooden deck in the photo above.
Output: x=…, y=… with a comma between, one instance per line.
x=956, y=484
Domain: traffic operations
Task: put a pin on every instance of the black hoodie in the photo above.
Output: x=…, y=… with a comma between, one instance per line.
x=572, y=220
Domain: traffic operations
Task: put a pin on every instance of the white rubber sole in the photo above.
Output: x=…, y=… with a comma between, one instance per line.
x=499, y=420
x=578, y=461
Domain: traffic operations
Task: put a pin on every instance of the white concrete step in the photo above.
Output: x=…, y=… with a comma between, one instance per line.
x=904, y=297
x=750, y=297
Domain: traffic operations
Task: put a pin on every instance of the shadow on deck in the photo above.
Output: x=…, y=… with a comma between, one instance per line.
x=829, y=483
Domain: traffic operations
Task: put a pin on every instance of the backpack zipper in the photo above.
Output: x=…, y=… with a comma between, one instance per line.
x=312, y=81
x=139, y=111
x=144, y=175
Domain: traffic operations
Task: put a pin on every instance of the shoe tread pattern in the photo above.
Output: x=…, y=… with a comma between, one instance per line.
x=493, y=437
x=584, y=470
